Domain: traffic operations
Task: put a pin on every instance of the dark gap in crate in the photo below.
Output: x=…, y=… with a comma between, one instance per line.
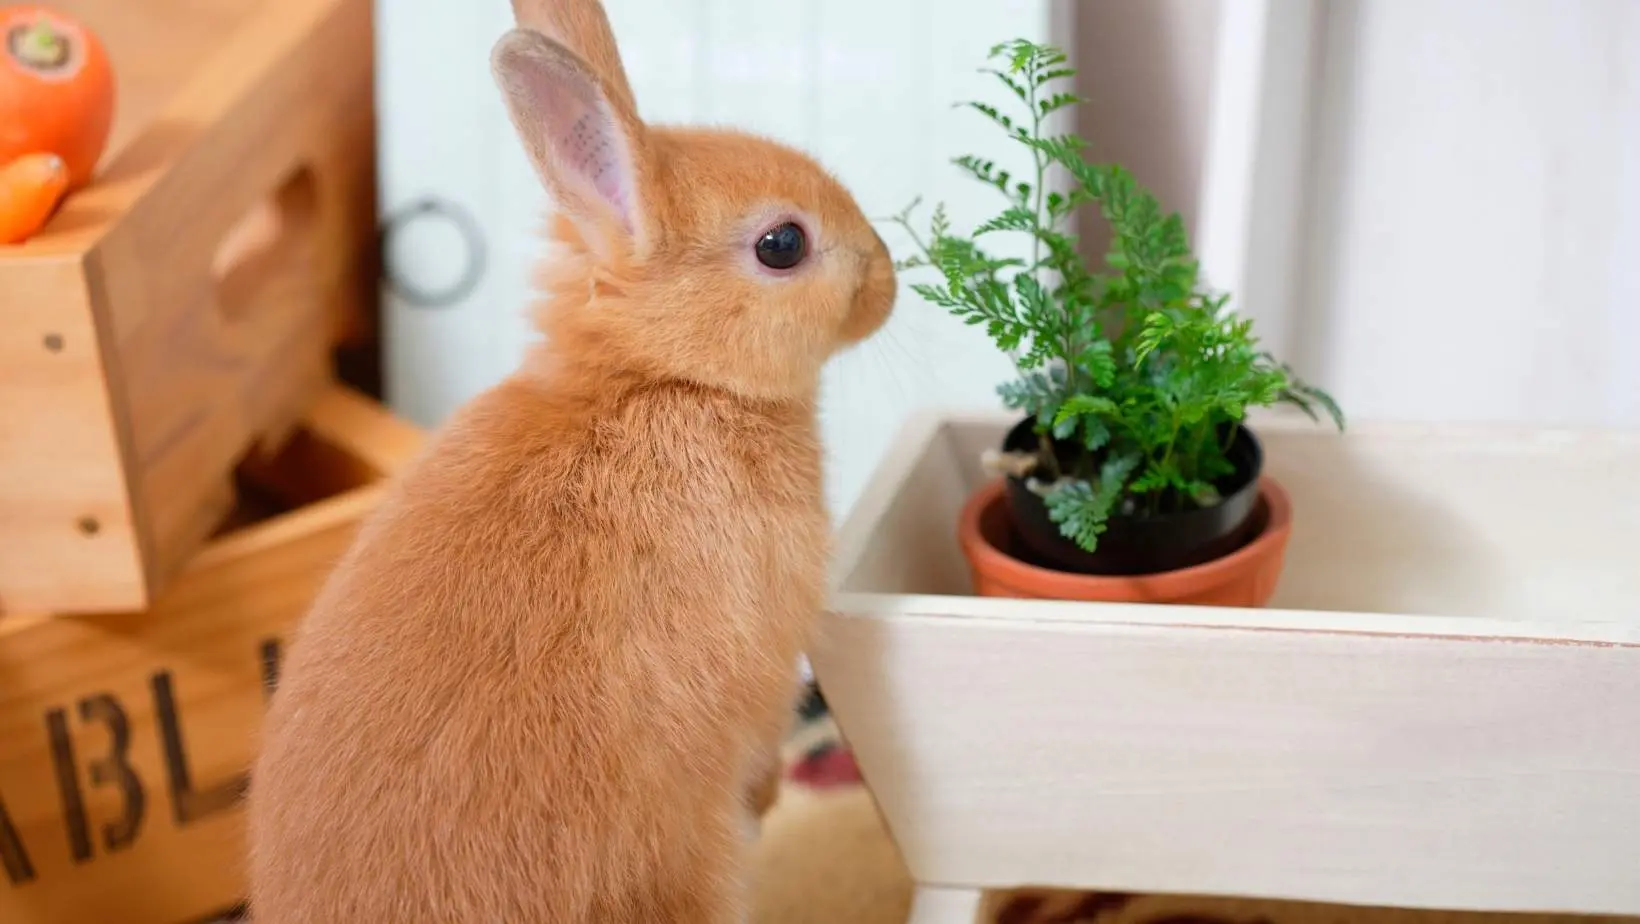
x=238, y=912
x=359, y=366
x=305, y=470
x=252, y=505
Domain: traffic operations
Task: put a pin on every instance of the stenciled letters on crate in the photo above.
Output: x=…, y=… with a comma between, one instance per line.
x=187, y=800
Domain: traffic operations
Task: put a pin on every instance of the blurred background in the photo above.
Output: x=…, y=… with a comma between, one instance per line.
x=1431, y=207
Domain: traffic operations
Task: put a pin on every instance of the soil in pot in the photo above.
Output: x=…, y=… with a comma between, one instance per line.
x=1137, y=543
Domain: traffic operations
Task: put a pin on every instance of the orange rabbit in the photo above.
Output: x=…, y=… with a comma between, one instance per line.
x=551, y=674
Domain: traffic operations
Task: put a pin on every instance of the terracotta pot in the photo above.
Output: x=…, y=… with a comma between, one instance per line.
x=1246, y=577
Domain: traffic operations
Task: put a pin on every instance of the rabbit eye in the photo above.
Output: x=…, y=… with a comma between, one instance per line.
x=782, y=247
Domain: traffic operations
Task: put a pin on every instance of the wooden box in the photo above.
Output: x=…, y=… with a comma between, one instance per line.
x=180, y=311
x=124, y=739
x=1438, y=709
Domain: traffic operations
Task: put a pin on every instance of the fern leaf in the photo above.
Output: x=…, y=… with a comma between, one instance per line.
x=990, y=112
x=1018, y=218
x=1083, y=406
x=1009, y=82
x=1082, y=509
x=1057, y=102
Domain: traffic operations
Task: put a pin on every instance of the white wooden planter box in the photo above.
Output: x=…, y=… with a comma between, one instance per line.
x=1441, y=707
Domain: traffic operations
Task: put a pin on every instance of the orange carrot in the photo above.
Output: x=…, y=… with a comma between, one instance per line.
x=30, y=188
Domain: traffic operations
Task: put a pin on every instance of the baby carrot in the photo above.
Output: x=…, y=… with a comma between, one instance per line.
x=30, y=188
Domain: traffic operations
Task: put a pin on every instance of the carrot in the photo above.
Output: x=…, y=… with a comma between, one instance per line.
x=30, y=188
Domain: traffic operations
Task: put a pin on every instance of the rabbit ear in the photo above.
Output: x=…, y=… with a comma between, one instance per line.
x=585, y=149
x=582, y=26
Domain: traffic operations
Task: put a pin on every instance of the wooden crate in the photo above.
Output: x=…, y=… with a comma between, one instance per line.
x=1437, y=710
x=124, y=739
x=181, y=310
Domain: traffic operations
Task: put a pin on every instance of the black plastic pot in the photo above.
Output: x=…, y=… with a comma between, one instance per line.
x=1138, y=544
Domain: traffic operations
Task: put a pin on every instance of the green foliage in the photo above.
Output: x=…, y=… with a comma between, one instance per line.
x=1134, y=368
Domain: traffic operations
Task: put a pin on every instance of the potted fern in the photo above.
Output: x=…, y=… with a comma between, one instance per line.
x=1131, y=474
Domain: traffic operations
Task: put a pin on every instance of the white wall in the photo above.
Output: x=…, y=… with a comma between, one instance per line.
x=1146, y=70
x=1473, y=239
x=1468, y=186
x=867, y=85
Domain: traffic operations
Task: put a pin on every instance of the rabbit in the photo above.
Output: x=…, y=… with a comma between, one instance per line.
x=548, y=679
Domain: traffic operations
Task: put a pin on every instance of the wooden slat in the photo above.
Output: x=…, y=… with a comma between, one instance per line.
x=1371, y=769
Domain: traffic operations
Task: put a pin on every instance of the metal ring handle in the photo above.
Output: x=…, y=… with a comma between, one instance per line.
x=471, y=234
